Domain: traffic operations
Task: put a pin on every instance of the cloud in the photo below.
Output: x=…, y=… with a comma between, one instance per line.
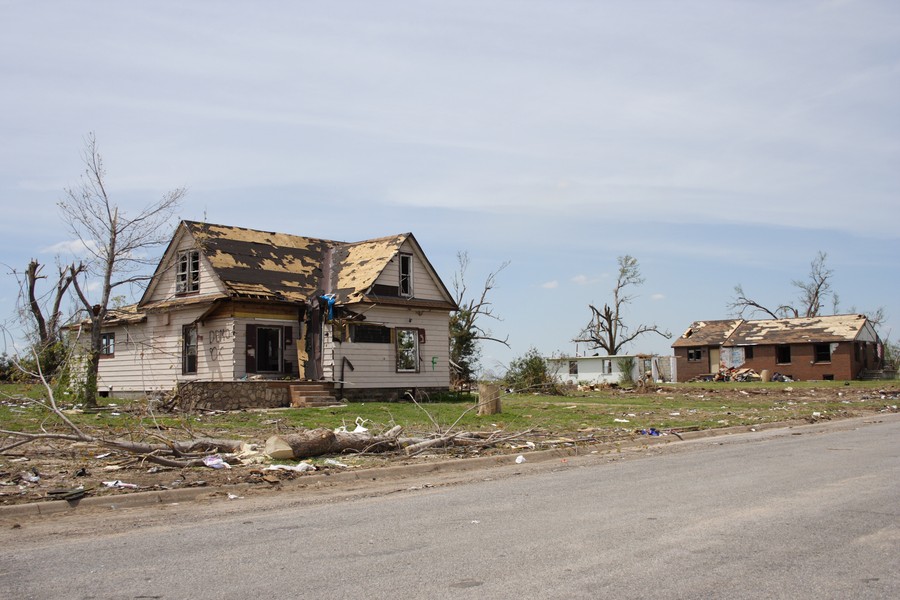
x=658, y=297
x=550, y=285
x=71, y=247
x=585, y=280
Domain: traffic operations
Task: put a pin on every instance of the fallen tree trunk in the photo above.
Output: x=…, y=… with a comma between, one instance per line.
x=318, y=442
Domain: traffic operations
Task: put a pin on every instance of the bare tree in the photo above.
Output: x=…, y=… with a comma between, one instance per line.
x=607, y=329
x=467, y=322
x=814, y=291
x=119, y=246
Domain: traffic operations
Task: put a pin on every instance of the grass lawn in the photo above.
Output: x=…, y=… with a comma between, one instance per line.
x=674, y=406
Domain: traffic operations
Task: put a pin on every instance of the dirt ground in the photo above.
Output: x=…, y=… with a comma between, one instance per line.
x=65, y=470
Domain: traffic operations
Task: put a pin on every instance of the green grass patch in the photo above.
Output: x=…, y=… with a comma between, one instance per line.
x=682, y=406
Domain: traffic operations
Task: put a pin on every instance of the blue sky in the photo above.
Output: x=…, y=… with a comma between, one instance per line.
x=717, y=142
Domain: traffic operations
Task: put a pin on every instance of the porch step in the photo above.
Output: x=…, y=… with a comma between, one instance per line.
x=305, y=395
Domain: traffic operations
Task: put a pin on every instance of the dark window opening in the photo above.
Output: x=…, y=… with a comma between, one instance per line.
x=828, y=377
x=406, y=275
x=694, y=354
x=189, y=350
x=107, y=344
x=573, y=367
x=187, y=275
x=822, y=353
x=783, y=355
x=268, y=349
x=748, y=352
x=370, y=334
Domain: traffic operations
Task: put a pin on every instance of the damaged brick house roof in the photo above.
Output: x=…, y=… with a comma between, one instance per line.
x=737, y=332
x=283, y=267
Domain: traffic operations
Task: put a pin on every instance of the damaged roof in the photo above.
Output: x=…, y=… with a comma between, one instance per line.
x=279, y=266
x=737, y=332
x=707, y=333
x=834, y=328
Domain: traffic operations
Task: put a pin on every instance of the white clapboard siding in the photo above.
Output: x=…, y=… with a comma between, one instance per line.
x=424, y=286
x=375, y=365
x=148, y=356
x=164, y=287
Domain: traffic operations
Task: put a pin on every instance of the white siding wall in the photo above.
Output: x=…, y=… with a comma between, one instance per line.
x=424, y=286
x=376, y=364
x=148, y=355
x=165, y=286
x=591, y=369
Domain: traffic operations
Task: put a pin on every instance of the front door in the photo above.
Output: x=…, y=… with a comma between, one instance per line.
x=714, y=357
x=268, y=349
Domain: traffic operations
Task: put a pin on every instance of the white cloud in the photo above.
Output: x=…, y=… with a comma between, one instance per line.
x=658, y=297
x=550, y=285
x=71, y=247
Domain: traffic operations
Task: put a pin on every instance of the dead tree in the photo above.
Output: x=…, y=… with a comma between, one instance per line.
x=46, y=316
x=607, y=328
x=467, y=327
x=119, y=246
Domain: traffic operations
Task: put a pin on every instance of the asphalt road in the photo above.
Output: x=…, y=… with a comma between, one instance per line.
x=802, y=513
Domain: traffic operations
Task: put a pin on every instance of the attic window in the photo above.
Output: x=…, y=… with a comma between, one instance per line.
x=187, y=275
x=406, y=275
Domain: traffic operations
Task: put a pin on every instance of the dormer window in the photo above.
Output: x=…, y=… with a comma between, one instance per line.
x=187, y=274
x=406, y=275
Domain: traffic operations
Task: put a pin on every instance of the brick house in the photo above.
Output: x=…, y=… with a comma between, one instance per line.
x=839, y=347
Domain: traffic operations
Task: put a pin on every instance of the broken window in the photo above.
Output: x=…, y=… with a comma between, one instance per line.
x=370, y=334
x=407, y=351
x=107, y=344
x=822, y=352
x=695, y=354
x=783, y=354
x=573, y=367
x=406, y=275
x=187, y=275
x=189, y=350
x=748, y=352
x=607, y=367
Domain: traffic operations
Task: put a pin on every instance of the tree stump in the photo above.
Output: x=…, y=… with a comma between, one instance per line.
x=488, y=399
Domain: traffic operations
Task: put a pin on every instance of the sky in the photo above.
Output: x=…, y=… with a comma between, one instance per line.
x=718, y=142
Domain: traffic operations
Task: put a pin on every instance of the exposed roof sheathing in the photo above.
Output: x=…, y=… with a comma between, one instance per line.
x=278, y=266
x=707, y=333
x=811, y=330
x=835, y=328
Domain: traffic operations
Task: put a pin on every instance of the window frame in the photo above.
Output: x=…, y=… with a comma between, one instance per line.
x=818, y=353
x=370, y=334
x=779, y=354
x=694, y=354
x=188, y=366
x=107, y=344
x=187, y=273
x=411, y=353
x=405, y=269
x=573, y=367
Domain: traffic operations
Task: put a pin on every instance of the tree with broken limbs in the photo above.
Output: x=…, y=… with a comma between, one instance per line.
x=606, y=328
x=119, y=247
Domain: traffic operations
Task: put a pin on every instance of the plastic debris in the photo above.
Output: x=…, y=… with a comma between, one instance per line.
x=29, y=477
x=298, y=468
x=652, y=431
x=520, y=459
x=120, y=485
x=215, y=462
x=621, y=421
x=235, y=497
x=334, y=463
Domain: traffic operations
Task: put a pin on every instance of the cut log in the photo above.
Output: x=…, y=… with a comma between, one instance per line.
x=488, y=399
x=318, y=442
